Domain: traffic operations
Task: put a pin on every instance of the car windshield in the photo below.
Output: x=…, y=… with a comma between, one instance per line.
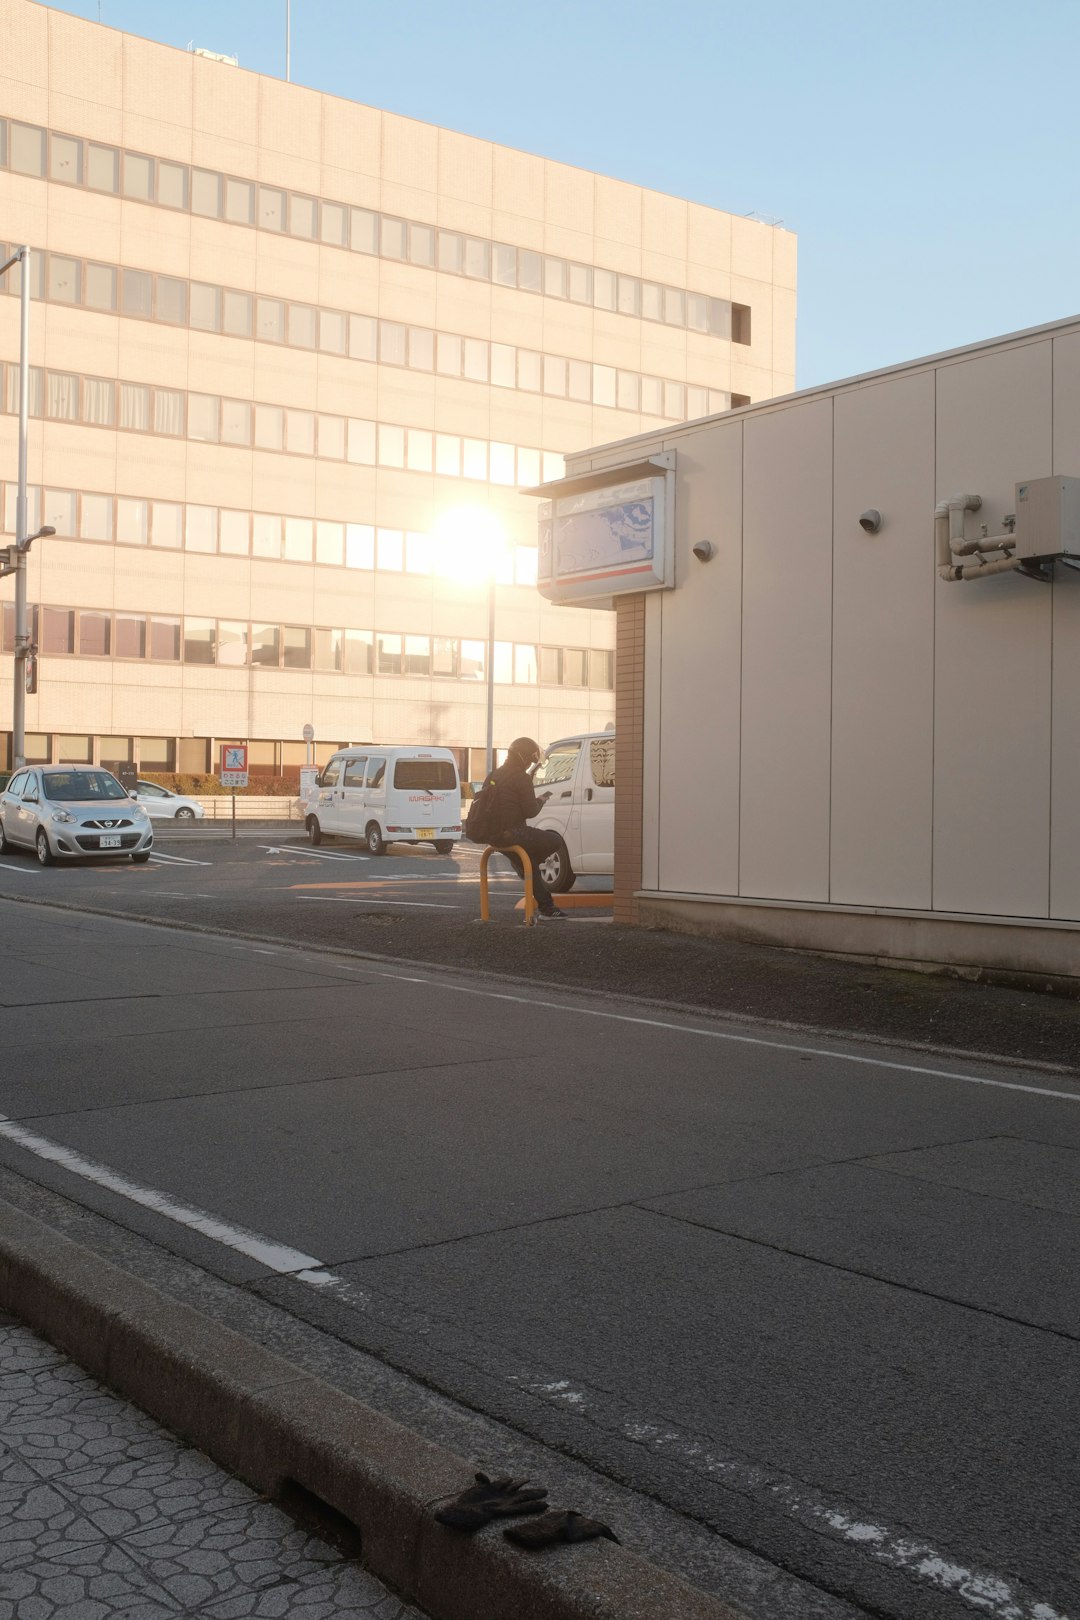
x=64, y=787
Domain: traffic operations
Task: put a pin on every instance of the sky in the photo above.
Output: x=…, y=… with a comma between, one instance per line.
x=926, y=154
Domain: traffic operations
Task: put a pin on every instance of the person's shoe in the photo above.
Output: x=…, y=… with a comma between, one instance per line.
x=554, y=915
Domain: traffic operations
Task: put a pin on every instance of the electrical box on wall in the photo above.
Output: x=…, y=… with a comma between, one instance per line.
x=1048, y=518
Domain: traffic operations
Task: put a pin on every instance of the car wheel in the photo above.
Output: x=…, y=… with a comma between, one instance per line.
x=556, y=871
x=444, y=846
x=141, y=858
x=44, y=849
x=375, y=842
x=185, y=813
x=4, y=845
x=314, y=831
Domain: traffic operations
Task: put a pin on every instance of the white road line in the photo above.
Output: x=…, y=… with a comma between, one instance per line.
x=315, y=854
x=726, y=1035
x=343, y=900
x=30, y=870
x=179, y=860
x=275, y=1256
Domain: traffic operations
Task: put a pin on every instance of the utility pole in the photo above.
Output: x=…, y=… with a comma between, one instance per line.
x=14, y=558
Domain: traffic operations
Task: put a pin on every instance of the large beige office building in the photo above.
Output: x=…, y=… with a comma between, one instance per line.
x=279, y=341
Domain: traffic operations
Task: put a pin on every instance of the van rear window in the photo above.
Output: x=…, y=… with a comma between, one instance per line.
x=425, y=775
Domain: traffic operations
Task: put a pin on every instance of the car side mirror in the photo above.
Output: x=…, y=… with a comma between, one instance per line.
x=133, y=793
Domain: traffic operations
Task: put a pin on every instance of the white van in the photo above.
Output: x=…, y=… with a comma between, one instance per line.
x=387, y=795
x=579, y=774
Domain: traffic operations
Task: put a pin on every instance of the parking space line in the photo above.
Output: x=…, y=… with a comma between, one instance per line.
x=342, y=900
x=178, y=860
x=36, y=870
x=313, y=854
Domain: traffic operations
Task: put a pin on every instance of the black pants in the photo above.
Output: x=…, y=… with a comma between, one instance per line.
x=538, y=845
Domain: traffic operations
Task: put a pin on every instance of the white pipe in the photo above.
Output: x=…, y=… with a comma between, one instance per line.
x=1003, y=565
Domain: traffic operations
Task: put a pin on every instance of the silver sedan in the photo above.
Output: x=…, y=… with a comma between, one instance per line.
x=69, y=811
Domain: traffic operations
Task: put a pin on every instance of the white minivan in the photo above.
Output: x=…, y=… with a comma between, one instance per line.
x=578, y=774
x=387, y=795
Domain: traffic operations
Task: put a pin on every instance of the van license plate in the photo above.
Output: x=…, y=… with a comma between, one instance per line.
x=109, y=841
x=425, y=832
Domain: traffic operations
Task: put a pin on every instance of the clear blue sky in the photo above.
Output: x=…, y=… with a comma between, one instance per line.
x=926, y=153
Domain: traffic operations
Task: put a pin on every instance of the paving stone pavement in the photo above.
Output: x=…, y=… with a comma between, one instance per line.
x=103, y=1512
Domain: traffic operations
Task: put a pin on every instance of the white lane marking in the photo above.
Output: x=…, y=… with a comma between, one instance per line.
x=315, y=854
x=343, y=900
x=739, y=1040
x=275, y=1256
x=179, y=860
x=986, y=1592
x=34, y=870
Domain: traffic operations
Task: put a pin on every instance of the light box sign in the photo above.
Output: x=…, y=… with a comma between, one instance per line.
x=604, y=542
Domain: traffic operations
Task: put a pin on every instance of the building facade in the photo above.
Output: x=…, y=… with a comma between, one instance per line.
x=847, y=716
x=289, y=352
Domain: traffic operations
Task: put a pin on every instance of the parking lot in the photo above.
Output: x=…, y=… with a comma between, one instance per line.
x=274, y=880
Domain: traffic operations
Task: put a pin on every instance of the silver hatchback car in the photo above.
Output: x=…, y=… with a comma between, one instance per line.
x=69, y=811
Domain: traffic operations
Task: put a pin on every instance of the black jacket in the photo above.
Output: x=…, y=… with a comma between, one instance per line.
x=517, y=799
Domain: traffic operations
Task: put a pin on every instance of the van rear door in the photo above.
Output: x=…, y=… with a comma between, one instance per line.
x=426, y=796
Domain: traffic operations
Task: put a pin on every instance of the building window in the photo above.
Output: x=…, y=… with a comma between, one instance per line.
x=206, y=193
x=171, y=300
x=234, y=539
x=138, y=176
x=172, y=179
x=239, y=201
x=236, y=314
x=165, y=640
x=96, y=517
x=26, y=149
x=138, y=294
x=266, y=535
x=265, y=645
x=326, y=649
x=166, y=527
x=98, y=402
x=135, y=407
x=100, y=287
x=130, y=642
x=296, y=647
x=298, y=539
x=56, y=630
x=102, y=168
x=64, y=279
x=200, y=529
x=132, y=524
x=95, y=635
x=271, y=209
x=169, y=412
x=359, y=652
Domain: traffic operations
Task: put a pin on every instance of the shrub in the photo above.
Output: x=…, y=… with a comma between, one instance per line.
x=209, y=787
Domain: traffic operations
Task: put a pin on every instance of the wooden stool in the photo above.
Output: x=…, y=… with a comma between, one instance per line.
x=530, y=899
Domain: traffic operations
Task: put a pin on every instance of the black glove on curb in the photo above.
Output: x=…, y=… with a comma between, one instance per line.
x=560, y=1524
x=499, y=1498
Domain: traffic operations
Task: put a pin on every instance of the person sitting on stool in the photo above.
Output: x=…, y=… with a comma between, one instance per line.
x=518, y=803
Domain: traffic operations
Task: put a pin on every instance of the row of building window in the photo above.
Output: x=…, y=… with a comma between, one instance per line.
x=65, y=396
x=240, y=644
x=177, y=525
x=144, y=295
x=29, y=149
x=197, y=756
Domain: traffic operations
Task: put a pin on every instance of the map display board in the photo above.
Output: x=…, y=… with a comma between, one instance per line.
x=604, y=541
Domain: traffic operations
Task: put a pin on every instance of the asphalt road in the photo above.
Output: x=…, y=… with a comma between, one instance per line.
x=815, y=1295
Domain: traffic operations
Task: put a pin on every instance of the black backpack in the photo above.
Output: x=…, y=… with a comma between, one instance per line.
x=483, y=823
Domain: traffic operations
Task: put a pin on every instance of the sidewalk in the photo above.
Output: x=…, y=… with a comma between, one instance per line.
x=103, y=1512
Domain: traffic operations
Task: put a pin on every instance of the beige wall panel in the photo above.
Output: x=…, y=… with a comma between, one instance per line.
x=517, y=185
x=787, y=588
x=283, y=484
x=618, y=211
x=221, y=365
x=664, y=225
x=564, y=242
x=290, y=122
x=568, y=330
x=26, y=217
x=225, y=102
x=22, y=99
x=455, y=215
x=406, y=398
x=465, y=168
x=748, y=379
x=1064, y=843
x=883, y=647
x=278, y=377
x=663, y=351
x=78, y=458
x=651, y=744
x=616, y=256
x=352, y=137
x=219, y=153
x=223, y=254
x=515, y=228
x=569, y=201
x=154, y=239
x=80, y=225
x=463, y=307
x=72, y=343
x=410, y=152
x=85, y=115
x=699, y=698
x=217, y=476
x=350, y=186
x=785, y=261
x=149, y=352
x=415, y=306
x=345, y=492
x=341, y=719
x=664, y=267
x=517, y=318
x=408, y=202
x=283, y=268
x=751, y=248
x=157, y=84
x=783, y=332
x=157, y=137
x=25, y=38
x=992, y=771
x=708, y=239
x=463, y=408
x=149, y=466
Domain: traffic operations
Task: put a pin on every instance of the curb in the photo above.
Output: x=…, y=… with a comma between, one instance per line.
x=280, y=1428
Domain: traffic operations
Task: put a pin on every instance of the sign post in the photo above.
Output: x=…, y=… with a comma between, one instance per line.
x=234, y=772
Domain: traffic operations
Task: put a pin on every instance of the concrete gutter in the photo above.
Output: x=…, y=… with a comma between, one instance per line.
x=279, y=1428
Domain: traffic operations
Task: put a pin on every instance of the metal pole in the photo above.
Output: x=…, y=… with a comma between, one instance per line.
x=288, y=41
x=491, y=678
x=22, y=634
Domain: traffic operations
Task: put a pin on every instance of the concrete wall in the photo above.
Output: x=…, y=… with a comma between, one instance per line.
x=840, y=746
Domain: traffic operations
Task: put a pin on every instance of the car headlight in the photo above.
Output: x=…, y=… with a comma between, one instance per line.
x=63, y=815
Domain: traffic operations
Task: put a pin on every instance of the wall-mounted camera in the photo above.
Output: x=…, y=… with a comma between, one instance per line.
x=704, y=551
x=870, y=520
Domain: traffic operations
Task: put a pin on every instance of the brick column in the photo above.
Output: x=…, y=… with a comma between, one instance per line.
x=629, y=728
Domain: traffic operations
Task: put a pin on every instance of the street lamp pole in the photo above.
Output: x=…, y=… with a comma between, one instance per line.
x=21, y=257
x=491, y=677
